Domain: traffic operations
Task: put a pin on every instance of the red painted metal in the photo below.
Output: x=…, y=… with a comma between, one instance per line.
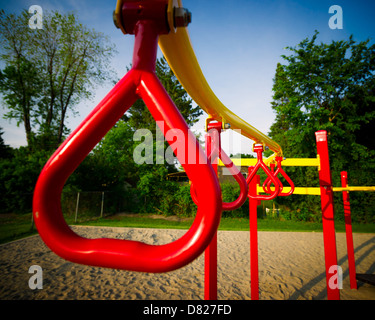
x=254, y=267
x=349, y=231
x=326, y=196
x=267, y=182
x=216, y=152
x=210, y=255
x=139, y=82
x=260, y=164
x=133, y=11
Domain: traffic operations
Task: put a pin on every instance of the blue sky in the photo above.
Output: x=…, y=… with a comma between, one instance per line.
x=238, y=45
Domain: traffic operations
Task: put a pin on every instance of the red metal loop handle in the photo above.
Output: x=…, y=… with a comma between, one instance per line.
x=139, y=82
x=267, y=183
x=237, y=175
x=260, y=164
x=283, y=173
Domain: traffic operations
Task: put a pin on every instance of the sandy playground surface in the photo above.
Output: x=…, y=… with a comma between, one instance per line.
x=291, y=266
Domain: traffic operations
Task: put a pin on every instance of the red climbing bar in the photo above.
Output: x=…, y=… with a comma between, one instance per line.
x=214, y=152
x=349, y=231
x=213, y=144
x=326, y=196
x=253, y=204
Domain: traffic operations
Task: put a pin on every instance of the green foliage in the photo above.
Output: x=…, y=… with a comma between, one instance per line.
x=230, y=193
x=18, y=175
x=184, y=204
x=49, y=71
x=328, y=87
x=6, y=151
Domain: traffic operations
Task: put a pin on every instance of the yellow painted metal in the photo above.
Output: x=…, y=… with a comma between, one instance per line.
x=117, y=16
x=300, y=162
x=312, y=191
x=289, y=162
x=179, y=53
x=363, y=188
x=315, y=191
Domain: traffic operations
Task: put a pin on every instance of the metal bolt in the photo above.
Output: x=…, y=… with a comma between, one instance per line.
x=182, y=17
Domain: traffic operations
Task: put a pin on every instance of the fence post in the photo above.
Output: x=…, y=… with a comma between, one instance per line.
x=254, y=268
x=348, y=231
x=102, y=207
x=326, y=198
x=77, y=204
x=32, y=222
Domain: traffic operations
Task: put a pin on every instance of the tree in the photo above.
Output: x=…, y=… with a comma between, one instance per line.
x=5, y=150
x=50, y=70
x=327, y=87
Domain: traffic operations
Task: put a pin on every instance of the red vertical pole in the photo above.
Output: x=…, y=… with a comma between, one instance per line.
x=326, y=197
x=210, y=254
x=253, y=203
x=210, y=270
x=349, y=231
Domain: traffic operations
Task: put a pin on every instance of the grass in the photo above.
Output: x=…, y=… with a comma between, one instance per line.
x=14, y=227
x=230, y=224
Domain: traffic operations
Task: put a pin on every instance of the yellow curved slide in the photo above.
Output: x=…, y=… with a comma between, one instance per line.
x=178, y=51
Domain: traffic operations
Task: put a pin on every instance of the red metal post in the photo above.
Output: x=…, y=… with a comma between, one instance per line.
x=326, y=196
x=253, y=204
x=213, y=145
x=210, y=270
x=349, y=231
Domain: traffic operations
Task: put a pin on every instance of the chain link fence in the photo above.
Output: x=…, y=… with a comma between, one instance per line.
x=86, y=204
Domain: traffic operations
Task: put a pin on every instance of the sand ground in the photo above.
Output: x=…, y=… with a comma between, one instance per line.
x=291, y=267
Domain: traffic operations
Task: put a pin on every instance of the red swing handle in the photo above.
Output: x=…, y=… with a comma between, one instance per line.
x=139, y=82
x=213, y=141
x=267, y=182
x=237, y=175
x=260, y=164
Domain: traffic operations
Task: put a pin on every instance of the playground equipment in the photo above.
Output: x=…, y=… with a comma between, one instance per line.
x=215, y=152
x=325, y=191
x=139, y=82
x=165, y=21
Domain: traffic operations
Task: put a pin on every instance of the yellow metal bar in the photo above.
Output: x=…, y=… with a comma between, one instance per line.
x=311, y=191
x=300, y=162
x=364, y=188
x=292, y=162
x=315, y=191
x=180, y=56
